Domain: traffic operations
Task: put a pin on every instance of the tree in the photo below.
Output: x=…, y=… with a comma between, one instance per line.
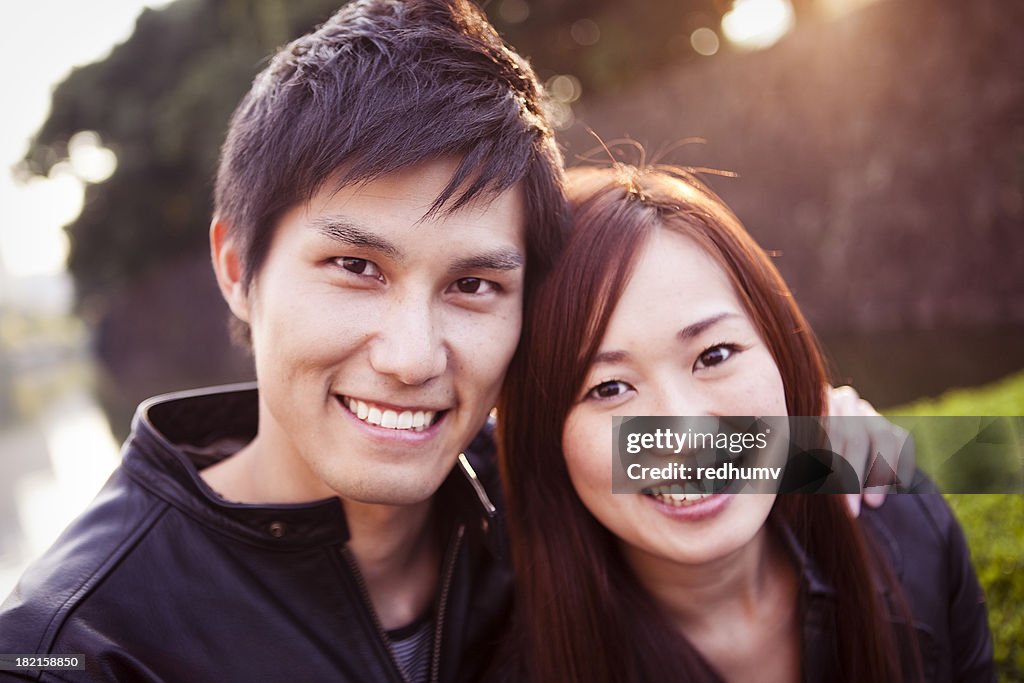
x=161, y=102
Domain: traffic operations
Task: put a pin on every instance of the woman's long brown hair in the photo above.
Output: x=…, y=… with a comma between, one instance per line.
x=581, y=615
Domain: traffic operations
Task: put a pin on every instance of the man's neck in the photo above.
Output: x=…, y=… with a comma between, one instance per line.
x=399, y=556
x=258, y=474
x=394, y=546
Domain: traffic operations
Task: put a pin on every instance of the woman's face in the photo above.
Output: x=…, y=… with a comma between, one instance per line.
x=678, y=343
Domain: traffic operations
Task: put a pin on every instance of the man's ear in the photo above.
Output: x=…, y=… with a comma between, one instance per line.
x=227, y=264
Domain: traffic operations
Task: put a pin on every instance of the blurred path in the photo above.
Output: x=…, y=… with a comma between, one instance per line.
x=50, y=469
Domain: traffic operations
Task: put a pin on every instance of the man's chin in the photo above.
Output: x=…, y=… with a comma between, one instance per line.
x=401, y=494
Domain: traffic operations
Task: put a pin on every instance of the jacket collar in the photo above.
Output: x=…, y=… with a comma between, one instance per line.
x=176, y=435
x=812, y=581
x=881, y=543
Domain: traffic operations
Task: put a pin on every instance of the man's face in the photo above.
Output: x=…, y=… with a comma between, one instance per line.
x=381, y=339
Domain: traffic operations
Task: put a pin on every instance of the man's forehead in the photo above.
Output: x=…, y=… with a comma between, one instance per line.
x=425, y=185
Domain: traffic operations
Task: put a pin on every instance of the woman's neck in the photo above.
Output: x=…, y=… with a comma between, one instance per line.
x=695, y=593
x=739, y=611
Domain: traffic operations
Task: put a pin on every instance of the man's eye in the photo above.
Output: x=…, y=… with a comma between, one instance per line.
x=609, y=389
x=474, y=285
x=714, y=355
x=359, y=266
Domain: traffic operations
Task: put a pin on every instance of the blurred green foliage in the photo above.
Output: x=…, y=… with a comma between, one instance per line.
x=1005, y=397
x=965, y=454
x=993, y=524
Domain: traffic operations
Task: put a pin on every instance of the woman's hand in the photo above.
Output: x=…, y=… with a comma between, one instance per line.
x=879, y=451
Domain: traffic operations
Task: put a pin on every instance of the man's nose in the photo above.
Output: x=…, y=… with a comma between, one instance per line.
x=409, y=345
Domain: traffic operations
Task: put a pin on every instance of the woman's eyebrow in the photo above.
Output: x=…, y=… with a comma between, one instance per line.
x=689, y=332
x=609, y=357
x=694, y=329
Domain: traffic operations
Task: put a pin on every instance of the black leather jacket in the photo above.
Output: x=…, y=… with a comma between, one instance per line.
x=162, y=580
x=923, y=544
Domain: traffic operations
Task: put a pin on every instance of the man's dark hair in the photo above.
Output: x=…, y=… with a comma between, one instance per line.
x=381, y=86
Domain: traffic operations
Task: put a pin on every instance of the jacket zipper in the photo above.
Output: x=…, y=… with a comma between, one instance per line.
x=449, y=572
x=368, y=603
x=442, y=603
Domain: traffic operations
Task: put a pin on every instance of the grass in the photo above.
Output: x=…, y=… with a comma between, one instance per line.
x=993, y=523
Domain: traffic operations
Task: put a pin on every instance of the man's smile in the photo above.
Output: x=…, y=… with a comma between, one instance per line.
x=390, y=416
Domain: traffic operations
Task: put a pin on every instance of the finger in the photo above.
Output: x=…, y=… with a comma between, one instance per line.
x=907, y=465
x=883, y=451
x=874, y=499
x=893, y=461
x=853, y=503
x=842, y=400
x=856, y=450
x=865, y=408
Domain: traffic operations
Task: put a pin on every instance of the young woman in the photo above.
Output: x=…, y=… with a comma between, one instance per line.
x=664, y=305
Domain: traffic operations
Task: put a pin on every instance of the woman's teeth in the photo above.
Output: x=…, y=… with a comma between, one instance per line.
x=416, y=420
x=674, y=495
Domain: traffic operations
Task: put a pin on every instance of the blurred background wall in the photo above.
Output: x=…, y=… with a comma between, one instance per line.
x=878, y=148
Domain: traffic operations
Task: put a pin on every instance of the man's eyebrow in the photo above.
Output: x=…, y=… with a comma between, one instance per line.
x=694, y=329
x=344, y=230
x=498, y=259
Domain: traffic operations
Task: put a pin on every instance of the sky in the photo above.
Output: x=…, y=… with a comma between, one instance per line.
x=40, y=42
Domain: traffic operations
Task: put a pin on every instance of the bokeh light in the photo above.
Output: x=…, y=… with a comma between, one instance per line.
x=756, y=24
x=585, y=32
x=33, y=241
x=704, y=41
x=564, y=88
x=90, y=160
x=514, y=11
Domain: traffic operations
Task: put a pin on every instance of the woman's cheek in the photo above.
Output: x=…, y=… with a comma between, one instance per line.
x=758, y=389
x=587, y=447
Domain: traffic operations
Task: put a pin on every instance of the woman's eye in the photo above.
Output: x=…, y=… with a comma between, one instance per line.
x=715, y=355
x=610, y=389
x=359, y=266
x=474, y=285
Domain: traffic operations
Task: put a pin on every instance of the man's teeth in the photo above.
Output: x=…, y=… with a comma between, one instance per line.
x=416, y=420
x=674, y=495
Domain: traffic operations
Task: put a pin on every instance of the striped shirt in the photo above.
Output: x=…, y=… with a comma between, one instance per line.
x=411, y=646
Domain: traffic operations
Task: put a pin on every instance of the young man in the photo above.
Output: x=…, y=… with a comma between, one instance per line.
x=388, y=197
x=388, y=194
